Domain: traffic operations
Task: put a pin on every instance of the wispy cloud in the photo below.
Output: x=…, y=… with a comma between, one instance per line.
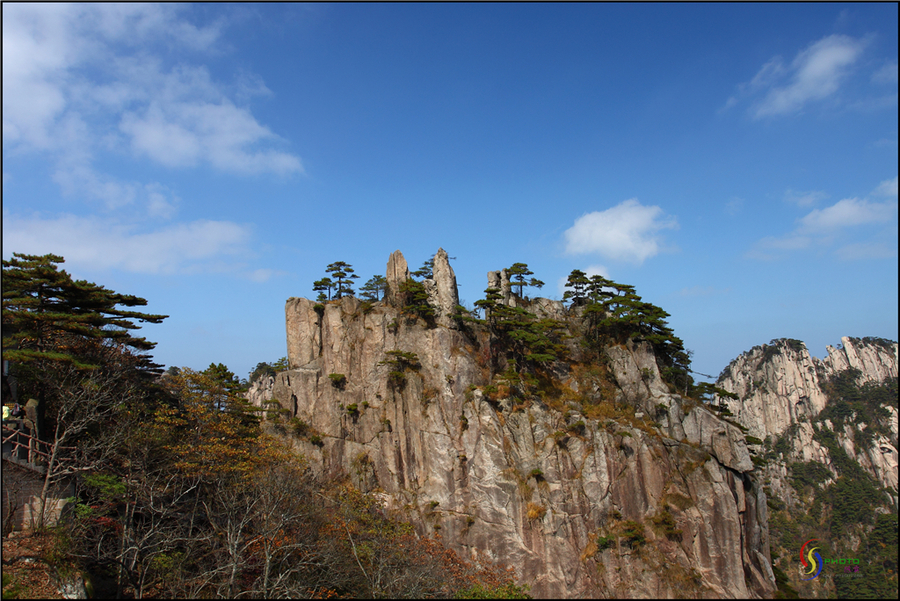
x=846, y=213
x=849, y=223
x=887, y=188
x=887, y=74
x=105, y=243
x=628, y=232
x=804, y=199
x=815, y=73
x=83, y=79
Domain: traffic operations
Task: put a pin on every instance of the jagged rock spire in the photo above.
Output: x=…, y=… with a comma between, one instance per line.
x=397, y=273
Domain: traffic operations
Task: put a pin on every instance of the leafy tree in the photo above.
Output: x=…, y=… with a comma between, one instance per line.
x=322, y=286
x=376, y=285
x=343, y=275
x=517, y=274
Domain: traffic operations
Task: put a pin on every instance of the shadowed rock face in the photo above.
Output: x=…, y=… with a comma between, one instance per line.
x=522, y=483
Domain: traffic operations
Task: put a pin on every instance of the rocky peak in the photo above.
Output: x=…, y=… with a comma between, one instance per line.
x=780, y=383
x=397, y=273
x=603, y=485
x=443, y=293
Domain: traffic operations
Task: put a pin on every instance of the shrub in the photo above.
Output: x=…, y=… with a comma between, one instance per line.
x=353, y=409
x=537, y=474
x=633, y=533
x=316, y=440
x=605, y=542
x=536, y=511
x=338, y=380
x=299, y=426
x=665, y=523
x=577, y=427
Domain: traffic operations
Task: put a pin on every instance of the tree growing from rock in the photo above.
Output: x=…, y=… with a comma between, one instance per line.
x=518, y=274
x=377, y=285
x=343, y=278
x=426, y=271
x=323, y=286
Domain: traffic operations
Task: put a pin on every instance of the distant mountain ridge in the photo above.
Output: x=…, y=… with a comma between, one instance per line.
x=827, y=436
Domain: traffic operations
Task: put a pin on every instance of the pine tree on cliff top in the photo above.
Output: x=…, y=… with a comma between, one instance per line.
x=343, y=275
x=517, y=274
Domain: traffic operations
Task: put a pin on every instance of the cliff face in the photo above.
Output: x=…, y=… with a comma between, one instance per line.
x=586, y=488
x=780, y=385
x=827, y=455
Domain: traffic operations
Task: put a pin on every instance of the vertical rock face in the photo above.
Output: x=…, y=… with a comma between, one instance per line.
x=780, y=384
x=397, y=273
x=658, y=498
x=447, y=293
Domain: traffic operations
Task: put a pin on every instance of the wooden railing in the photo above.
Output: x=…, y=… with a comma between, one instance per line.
x=23, y=446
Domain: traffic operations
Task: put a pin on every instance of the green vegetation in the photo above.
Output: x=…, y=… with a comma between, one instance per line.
x=399, y=362
x=517, y=277
x=633, y=533
x=613, y=313
x=181, y=491
x=851, y=506
x=414, y=301
x=373, y=290
x=339, y=381
x=263, y=369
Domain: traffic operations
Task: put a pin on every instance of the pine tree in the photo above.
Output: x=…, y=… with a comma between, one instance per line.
x=426, y=271
x=322, y=286
x=517, y=274
x=343, y=274
x=45, y=313
x=578, y=282
x=376, y=285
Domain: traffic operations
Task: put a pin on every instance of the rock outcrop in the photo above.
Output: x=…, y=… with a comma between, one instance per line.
x=780, y=384
x=443, y=293
x=623, y=490
x=397, y=273
x=822, y=440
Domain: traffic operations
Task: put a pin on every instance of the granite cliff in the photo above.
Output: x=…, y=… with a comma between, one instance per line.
x=826, y=452
x=590, y=478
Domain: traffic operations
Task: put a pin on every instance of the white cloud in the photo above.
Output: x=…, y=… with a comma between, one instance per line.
x=79, y=78
x=846, y=213
x=851, y=223
x=815, y=73
x=98, y=243
x=886, y=74
x=866, y=250
x=804, y=199
x=886, y=188
x=625, y=232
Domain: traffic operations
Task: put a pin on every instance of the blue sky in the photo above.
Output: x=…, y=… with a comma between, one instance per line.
x=736, y=163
